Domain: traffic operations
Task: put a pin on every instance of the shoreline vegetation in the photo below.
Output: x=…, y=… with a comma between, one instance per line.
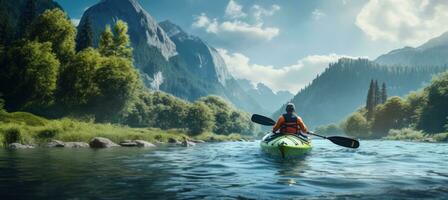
x=28, y=129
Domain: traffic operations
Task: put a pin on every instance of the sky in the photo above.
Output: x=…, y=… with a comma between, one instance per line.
x=285, y=44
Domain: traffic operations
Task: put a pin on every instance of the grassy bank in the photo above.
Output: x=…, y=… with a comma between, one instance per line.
x=27, y=128
x=409, y=134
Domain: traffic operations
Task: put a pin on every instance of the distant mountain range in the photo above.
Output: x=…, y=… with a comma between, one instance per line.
x=168, y=58
x=432, y=53
x=342, y=87
x=264, y=95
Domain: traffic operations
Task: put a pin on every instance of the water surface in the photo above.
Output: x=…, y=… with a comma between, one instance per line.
x=230, y=170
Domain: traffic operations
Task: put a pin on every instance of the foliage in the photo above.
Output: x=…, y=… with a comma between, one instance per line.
x=116, y=43
x=31, y=75
x=331, y=129
x=28, y=15
x=21, y=118
x=77, y=86
x=357, y=125
x=440, y=137
x=405, y=134
x=435, y=112
x=53, y=26
x=393, y=114
x=200, y=118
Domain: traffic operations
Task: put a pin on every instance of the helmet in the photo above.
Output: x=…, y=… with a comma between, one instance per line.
x=290, y=107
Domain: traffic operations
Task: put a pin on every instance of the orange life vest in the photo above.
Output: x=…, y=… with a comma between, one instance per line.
x=290, y=126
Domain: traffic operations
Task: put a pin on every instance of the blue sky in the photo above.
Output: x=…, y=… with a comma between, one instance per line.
x=276, y=42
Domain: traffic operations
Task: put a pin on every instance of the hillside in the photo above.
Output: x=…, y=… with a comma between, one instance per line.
x=431, y=53
x=342, y=87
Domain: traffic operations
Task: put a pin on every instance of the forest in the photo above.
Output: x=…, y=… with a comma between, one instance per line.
x=49, y=69
x=419, y=114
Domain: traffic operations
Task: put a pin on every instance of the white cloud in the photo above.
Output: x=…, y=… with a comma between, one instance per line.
x=234, y=10
x=291, y=78
x=235, y=28
x=408, y=22
x=75, y=21
x=258, y=12
x=317, y=14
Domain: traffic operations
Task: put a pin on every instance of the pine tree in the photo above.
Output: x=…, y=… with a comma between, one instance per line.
x=106, y=45
x=122, y=41
x=370, y=105
x=85, y=36
x=383, y=93
x=28, y=15
x=377, y=96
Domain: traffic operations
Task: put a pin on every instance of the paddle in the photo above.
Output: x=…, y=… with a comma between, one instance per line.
x=339, y=140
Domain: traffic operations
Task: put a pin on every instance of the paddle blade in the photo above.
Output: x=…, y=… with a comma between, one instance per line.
x=345, y=142
x=260, y=119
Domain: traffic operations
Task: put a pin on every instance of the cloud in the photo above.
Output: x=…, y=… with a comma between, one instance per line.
x=235, y=28
x=291, y=78
x=317, y=14
x=234, y=10
x=258, y=12
x=238, y=27
x=409, y=22
x=75, y=21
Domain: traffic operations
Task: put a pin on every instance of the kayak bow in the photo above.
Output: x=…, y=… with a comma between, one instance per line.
x=285, y=145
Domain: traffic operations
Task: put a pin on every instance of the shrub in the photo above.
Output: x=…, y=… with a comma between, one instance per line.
x=12, y=135
x=441, y=137
x=48, y=133
x=405, y=134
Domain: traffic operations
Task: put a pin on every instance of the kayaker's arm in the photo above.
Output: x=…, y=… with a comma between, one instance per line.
x=279, y=124
x=302, y=125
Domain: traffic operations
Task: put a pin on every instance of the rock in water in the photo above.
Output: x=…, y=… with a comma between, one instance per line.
x=144, y=31
x=100, y=142
x=19, y=146
x=142, y=143
x=55, y=143
x=76, y=145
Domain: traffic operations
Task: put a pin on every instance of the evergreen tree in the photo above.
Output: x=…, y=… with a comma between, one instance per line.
x=121, y=40
x=85, y=36
x=370, y=105
x=29, y=13
x=377, y=96
x=106, y=45
x=383, y=93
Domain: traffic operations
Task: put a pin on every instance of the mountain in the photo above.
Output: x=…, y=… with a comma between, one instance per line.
x=205, y=63
x=432, y=53
x=343, y=86
x=264, y=95
x=168, y=58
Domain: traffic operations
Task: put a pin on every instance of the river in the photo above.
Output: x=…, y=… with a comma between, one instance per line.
x=229, y=170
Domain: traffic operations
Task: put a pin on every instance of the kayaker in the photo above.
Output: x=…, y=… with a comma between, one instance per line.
x=290, y=122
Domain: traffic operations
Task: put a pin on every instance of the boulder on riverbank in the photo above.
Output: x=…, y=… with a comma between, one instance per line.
x=76, y=145
x=14, y=146
x=55, y=143
x=100, y=142
x=187, y=143
x=136, y=143
x=173, y=141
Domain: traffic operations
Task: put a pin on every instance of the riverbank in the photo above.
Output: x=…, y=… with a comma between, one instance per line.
x=29, y=129
x=409, y=134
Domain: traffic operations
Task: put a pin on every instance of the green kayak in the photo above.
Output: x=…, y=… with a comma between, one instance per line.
x=285, y=145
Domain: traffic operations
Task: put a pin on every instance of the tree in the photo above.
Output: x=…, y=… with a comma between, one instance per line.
x=28, y=14
x=106, y=44
x=85, y=35
x=54, y=26
x=356, y=125
x=383, y=93
x=200, y=118
x=117, y=81
x=121, y=40
x=77, y=86
x=377, y=95
x=435, y=112
x=370, y=102
x=116, y=43
x=31, y=75
x=393, y=114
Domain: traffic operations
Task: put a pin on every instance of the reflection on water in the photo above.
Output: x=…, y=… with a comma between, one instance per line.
x=379, y=169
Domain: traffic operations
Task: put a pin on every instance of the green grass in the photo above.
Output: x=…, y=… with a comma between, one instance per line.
x=415, y=135
x=27, y=128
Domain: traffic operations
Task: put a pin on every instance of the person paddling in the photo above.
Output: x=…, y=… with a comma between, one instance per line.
x=290, y=122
